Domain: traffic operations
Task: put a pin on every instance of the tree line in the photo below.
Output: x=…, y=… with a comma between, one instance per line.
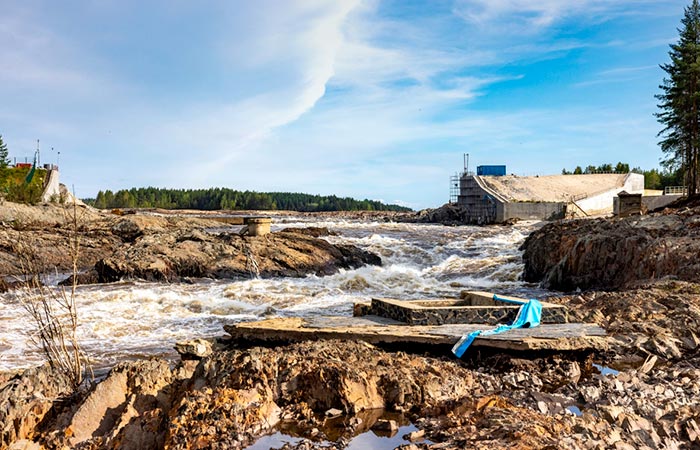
x=653, y=179
x=229, y=199
x=603, y=168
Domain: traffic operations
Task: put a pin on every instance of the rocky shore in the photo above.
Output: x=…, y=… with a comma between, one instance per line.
x=615, y=253
x=641, y=393
x=163, y=248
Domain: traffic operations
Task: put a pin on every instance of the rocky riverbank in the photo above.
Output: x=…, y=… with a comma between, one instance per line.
x=615, y=253
x=232, y=396
x=163, y=248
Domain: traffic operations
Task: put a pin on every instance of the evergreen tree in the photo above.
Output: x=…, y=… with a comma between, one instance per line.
x=622, y=167
x=679, y=101
x=4, y=159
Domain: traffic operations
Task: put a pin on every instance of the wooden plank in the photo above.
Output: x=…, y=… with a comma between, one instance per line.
x=377, y=330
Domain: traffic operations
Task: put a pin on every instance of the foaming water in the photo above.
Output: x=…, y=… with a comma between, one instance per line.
x=132, y=319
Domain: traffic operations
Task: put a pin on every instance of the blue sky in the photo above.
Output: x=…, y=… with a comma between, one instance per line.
x=365, y=98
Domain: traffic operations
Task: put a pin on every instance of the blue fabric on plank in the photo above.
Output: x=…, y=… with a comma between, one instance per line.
x=529, y=316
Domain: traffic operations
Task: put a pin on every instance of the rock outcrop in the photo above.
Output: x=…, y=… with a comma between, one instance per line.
x=231, y=397
x=47, y=246
x=659, y=319
x=26, y=399
x=160, y=253
x=614, y=253
x=447, y=214
x=158, y=248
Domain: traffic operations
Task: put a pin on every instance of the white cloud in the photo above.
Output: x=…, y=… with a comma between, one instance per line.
x=317, y=95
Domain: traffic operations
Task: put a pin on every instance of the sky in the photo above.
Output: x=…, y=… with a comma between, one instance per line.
x=363, y=98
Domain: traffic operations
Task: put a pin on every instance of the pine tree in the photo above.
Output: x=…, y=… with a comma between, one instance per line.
x=680, y=101
x=4, y=159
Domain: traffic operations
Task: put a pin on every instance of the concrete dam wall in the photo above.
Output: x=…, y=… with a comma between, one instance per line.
x=496, y=199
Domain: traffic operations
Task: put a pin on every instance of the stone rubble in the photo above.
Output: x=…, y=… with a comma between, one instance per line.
x=233, y=396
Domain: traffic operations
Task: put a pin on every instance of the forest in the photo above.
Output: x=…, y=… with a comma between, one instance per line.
x=653, y=179
x=229, y=199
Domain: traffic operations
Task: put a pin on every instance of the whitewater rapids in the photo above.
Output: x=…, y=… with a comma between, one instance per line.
x=128, y=320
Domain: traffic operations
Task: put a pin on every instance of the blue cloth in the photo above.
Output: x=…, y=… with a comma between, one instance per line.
x=529, y=316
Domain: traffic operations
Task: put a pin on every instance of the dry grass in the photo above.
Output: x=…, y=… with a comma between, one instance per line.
x=53, y=310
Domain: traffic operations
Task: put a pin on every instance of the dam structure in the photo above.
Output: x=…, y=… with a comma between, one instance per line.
x=500, y=198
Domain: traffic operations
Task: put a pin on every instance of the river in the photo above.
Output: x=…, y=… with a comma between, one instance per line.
x=132, y=319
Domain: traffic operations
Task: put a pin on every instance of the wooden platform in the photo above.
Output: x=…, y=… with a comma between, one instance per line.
x=380, y=330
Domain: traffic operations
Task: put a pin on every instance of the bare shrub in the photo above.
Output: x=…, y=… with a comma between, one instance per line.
x=53, y=310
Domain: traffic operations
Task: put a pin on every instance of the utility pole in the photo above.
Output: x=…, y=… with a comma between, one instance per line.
x=38, y=158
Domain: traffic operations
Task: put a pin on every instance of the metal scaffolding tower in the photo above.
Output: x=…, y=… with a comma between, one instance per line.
x=454, y=188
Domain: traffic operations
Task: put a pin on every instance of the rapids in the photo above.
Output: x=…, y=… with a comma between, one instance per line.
x=132, y=319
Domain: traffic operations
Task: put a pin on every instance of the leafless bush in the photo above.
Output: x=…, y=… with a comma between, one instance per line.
x=53, y=310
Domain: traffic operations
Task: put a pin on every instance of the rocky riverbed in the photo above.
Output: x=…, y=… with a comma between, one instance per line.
x=642, y=392
x=161, y=248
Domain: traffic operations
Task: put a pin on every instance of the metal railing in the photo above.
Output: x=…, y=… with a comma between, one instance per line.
x=675, y=190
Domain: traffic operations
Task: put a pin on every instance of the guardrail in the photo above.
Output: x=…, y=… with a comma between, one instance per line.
x=671, y=190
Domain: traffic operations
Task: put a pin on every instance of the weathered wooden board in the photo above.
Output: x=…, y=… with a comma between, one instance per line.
x=379, y=330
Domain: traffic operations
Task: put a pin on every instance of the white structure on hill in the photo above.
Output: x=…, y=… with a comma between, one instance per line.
x=52, y=187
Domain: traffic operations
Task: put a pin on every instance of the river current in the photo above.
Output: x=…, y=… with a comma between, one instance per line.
x=127, y=320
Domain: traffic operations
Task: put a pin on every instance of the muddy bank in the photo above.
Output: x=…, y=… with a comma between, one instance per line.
x=615, y=253
x=162, y=248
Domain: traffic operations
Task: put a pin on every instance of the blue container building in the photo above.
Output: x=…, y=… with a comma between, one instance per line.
x=491, y=170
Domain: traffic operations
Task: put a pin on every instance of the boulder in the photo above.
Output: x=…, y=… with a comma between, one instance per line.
x=127, y=409
x=131, y=227
x=194, y=349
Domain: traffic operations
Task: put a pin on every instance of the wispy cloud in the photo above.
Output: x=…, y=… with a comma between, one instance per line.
x=618, y=75
x=534, y=15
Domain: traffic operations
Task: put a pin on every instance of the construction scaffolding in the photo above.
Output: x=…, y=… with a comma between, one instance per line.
x=454, y=188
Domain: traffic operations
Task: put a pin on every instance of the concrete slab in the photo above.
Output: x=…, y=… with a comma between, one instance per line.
x=380, y=330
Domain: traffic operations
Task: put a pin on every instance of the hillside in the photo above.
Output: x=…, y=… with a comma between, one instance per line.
x=16, y=186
